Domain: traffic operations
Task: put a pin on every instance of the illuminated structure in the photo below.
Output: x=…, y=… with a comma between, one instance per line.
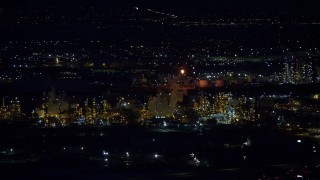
x=308, y=72
x=245, y=109
x=164, y=104
x=94, y=109
x=79, y=114
x=4, y=110
x=15, y=107
x=287, y=74
x=203, y=106
x=88, y=112
x=220, y=103
x=226, y=109
x=220, y=108
x=42, y=111
x=144, y=113
x=94, y=112
x=106, y=106
x=297, y=72
x=12, y=111
x=159, y=106
x=106, y=110
x=53, y=110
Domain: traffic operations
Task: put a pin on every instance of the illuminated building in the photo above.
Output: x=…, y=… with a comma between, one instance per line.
x=220, y=103
x=4, y=110
x=53, y=110
x=203, y=106
x=221, y=109
x=42, y=111
x=309, y=72
x=159, y=105
x=144, y=113
x=93, y=112
x=15, y=107
x=79, y=112
x=297, y=72
x=229, y=110
x=286, y=73
x=106, y=106
x=88, y=112
x=94, y=109
x=245, y=110
x=12, y=111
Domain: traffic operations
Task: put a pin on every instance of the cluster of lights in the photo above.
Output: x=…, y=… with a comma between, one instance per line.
x=195, y=159
x=105, y=153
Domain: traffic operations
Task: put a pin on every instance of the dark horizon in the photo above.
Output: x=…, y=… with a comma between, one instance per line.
x=287, y=6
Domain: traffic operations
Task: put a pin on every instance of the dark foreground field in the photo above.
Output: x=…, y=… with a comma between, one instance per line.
x=152, y=153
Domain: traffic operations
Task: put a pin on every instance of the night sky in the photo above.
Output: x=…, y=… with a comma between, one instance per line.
x=284, y=6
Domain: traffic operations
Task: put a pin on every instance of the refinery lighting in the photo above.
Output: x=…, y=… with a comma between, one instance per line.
x=163, y=88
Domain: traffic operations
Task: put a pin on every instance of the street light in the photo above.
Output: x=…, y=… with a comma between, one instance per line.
x=182, y=72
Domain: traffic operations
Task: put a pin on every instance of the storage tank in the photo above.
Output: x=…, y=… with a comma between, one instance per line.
x=203, y=83
x=219, y=83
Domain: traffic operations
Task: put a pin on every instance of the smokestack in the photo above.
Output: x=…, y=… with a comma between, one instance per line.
x=3, y=101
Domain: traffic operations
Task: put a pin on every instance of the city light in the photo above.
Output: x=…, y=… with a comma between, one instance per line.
x=182, y=71
x=193, y=89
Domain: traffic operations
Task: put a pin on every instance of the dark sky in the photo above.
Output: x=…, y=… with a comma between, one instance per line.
x=290, y=6
x=198, y=4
